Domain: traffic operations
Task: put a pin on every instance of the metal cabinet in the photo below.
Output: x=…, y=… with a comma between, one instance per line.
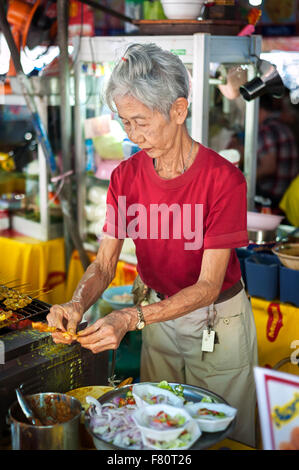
x=198, y=52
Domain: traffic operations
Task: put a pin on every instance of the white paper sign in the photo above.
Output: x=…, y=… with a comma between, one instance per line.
x=278, y=405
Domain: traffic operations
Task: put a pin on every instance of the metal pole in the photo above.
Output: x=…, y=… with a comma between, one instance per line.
x=27, y=91
x=250, y=143
x=65, y=112
x=200, y=99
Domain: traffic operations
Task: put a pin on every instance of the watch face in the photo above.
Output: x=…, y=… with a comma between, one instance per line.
x=140, y=325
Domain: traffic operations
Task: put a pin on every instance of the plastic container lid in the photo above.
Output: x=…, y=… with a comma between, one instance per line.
x=232, y=155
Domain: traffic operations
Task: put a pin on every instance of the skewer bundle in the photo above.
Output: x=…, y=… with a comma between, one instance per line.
x=14, y=299
x=17, y=301
x=6, y=291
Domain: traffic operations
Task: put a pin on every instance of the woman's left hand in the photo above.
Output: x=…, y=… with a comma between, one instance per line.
x=107, y=332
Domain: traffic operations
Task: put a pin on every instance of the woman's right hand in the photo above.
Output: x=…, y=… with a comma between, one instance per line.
x=94, y=281
x=66, y=317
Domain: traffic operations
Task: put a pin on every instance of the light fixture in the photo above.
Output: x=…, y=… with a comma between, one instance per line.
x=268, y=81
x=255, y=3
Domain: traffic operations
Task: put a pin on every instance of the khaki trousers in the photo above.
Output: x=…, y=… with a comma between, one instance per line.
x=171, y=351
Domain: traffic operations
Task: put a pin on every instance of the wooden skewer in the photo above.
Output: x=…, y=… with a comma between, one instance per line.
x=34, y=291
x=9, y=282
x=14, y=287
x=30, y=291
x=46, y=292
x=20, y=285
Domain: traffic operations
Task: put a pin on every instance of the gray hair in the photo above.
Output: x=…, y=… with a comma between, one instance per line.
x=151, y=75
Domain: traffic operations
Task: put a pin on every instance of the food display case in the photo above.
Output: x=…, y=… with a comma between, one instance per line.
x=39, y=215
x=36, y=216
x=211, y=120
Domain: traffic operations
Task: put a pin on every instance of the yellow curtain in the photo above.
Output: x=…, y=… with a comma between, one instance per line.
x=39, y=265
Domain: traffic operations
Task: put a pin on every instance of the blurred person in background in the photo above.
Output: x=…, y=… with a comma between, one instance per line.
x=277, y=154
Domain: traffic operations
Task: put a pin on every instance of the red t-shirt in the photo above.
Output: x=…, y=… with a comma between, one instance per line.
x=173, y=221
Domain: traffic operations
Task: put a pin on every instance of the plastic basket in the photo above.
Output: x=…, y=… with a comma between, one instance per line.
x=289, y=282
x=243, y=254
x=262, y=275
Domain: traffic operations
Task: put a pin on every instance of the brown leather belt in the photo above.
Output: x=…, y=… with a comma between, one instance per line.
x=223, y=296
x=229, y=293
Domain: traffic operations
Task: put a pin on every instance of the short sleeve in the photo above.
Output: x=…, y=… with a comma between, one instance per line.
x=226, y=223
x=115, y=221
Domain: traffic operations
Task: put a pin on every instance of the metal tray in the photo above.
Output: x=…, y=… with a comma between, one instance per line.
x=191, y=393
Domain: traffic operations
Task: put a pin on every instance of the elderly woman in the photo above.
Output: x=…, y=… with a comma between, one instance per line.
x=185, y=208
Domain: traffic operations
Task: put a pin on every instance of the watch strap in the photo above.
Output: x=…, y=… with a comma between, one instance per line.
x=140, y=316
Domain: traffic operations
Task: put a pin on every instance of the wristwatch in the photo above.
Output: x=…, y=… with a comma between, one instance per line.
x=141, y=321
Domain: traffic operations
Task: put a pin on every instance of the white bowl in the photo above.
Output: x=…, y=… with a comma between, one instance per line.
x=140, y=390
x=192, y=428
x=288, y=254
x=259, y=221
x=142, y=416
x=210, y=423
x=189, y=10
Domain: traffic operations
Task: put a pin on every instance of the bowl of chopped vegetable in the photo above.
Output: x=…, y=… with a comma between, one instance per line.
x=119, y=297
x=109, y=420
x=184, y=441
x=161, y=422
x=148, y=394
x=211, y=417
